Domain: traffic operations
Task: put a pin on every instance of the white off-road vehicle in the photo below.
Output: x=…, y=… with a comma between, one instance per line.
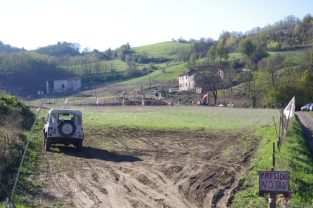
x=63, y=127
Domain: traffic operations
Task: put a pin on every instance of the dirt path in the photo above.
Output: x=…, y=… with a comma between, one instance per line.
x=145, y=168
x=306, y=121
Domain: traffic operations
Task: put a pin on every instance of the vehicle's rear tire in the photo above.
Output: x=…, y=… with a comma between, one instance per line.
x=79, y=145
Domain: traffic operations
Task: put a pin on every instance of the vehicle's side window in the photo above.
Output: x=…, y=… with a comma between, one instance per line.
x=52, y=118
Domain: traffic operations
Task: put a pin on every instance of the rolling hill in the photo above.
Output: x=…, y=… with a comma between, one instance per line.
x=169, y=50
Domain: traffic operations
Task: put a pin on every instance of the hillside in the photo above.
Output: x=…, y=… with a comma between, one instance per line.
x=170, y=50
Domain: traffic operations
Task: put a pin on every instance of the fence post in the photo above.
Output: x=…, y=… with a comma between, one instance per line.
x=272, y=199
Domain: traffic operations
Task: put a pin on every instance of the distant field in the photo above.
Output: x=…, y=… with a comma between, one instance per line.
x=163, y=50
x=115, y=64
x=179, y=117
x=170, y=73
x=294, y=56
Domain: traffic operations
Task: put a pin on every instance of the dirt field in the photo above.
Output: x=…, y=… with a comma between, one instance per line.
x=124, y=167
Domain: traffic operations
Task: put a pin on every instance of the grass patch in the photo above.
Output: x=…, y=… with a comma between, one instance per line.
x=168, y=50
x=293, y=157
x=191, y=117
x=108, y=66
x=170, y=73
x=295, y=57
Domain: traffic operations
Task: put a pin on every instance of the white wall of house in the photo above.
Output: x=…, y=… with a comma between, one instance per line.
x=64, y=85
x=186, y=82
x=60, y=86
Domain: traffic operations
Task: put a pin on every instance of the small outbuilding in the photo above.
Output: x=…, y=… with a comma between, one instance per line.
x=68, y=85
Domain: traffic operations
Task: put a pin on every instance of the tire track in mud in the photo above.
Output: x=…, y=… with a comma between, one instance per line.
x=172, y=173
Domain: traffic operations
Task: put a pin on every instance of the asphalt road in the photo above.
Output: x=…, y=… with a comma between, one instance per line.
x=306, y=121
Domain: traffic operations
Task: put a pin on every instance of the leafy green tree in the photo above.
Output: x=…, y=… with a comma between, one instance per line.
x=272, y=64
x=212, y=54
x=193, y=59
x=222, y=51
x=61, y=49
x=247, y=48
x=308, y=60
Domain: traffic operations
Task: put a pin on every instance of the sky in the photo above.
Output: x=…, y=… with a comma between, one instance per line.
x=103, y=24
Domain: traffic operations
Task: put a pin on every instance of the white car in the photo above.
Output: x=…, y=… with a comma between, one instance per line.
x=307, y=107
x=63, y=127
x=173, y=90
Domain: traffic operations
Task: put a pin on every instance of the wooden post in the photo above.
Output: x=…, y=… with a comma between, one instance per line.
x=273, y=157
x=272, y=199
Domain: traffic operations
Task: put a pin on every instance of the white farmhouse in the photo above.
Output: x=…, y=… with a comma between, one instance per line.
x=191, y=81
x=70, y=85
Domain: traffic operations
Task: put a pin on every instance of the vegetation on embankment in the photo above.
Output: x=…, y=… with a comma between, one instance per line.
x=294, y=156
x=15, y=121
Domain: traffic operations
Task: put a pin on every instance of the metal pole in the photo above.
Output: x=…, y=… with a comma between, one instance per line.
x=10, y=200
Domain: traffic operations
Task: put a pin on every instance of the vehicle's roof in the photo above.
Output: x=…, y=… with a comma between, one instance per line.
x=65, y=111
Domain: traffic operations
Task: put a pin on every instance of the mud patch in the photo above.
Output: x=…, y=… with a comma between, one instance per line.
x=129, y=167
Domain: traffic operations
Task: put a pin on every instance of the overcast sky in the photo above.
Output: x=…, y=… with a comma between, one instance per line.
x=102, y=24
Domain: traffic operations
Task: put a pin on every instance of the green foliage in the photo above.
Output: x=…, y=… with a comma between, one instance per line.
x=212, y=54
x=10, y=105
x=201, y=47
x=289, y=33
x=308, y=60
x=247, y=47
x=14, y=116
x=25, y=73
x=60, y=49
x=273, y=45
x=293, y=57
x=26, y=189
x=222, y=50
x=4, y=48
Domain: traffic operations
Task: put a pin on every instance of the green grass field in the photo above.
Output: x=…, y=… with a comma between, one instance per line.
x=157, y=76
x=115, y=64
x=168, y=50
x=196, y=117
x=295, y=57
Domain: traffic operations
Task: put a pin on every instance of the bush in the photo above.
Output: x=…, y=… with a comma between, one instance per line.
x=10, y=105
